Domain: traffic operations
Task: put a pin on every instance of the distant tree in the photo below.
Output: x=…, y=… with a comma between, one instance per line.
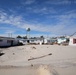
x=31, y=38
x=24, y=37
x=35, y=37
x=18, y=36
x=42, y=37
x=67, y=40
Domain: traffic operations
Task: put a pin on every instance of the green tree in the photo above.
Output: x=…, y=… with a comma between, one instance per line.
x=24, y=37
x=18, y=36
x=42, y=37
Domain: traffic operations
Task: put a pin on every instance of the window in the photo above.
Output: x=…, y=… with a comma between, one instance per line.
x=74, y=41
x=32, y=40
x=8, y=41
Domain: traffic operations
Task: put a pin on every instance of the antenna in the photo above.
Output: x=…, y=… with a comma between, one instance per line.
x=73, y=34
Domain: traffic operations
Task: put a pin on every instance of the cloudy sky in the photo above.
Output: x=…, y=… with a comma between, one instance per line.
x=43, y=17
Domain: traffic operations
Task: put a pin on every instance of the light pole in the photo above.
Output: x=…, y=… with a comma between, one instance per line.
x=10, y=35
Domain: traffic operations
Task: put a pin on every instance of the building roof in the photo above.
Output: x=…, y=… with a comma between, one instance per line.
x=1, y=37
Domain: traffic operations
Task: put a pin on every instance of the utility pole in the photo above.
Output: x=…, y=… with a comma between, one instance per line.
x=9, y=34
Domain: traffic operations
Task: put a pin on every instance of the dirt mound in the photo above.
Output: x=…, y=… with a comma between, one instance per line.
x=45, y=70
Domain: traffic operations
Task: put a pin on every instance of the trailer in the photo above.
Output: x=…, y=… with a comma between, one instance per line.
x=8, y=41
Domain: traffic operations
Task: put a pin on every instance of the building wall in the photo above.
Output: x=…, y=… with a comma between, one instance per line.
x=4, y=43
x=15, y=42
x=72, y=41
x=45, y=41
x=36, y=41
x=8, y=42
x=59, y=40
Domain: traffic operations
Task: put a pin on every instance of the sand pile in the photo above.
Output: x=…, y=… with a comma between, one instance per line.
x=45, y=70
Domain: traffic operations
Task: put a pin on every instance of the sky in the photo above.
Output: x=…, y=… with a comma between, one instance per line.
x=43, y=17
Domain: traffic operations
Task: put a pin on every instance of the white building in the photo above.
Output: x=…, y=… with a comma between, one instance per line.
x=7, y=41
x=36, y=41
x=72, y=41
x=47, y=40
x=61, y=40
x=31, y=41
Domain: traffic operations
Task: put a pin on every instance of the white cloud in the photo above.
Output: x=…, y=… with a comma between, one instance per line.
x=17, y=21
x=41, y=10
x=58, y=2
x=68, y=21
x=64, y=26
x=55, y=2
x=10, y=19
x=9, y=31
x=27, y=2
